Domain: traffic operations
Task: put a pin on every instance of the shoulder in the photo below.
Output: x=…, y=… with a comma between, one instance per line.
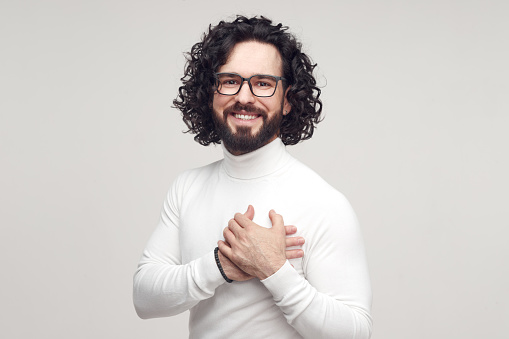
x=308, y=189
x=199, y=172
x=308, y=180
x=181, y=188
x=189, y=178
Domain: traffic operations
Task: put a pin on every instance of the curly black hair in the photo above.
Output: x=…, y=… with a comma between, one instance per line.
x=195, y=95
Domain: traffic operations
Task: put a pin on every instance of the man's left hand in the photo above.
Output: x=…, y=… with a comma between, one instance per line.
x=257, y=250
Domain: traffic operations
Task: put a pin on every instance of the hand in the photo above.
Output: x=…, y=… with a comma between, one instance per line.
x=233, y=272
x=256, y=250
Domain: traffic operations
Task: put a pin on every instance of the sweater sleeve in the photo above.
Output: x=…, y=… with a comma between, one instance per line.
x=163, y=286
x=333, y=299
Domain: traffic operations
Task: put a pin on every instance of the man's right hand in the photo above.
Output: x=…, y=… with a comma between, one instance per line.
x=233, y=272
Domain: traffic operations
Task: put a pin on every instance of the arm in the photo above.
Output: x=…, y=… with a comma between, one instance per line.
x=334, y=298
x=162, y=285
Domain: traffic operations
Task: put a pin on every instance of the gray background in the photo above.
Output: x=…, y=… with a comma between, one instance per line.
x=414, y=134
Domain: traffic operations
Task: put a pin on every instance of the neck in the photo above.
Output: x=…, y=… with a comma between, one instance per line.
x=258, y=163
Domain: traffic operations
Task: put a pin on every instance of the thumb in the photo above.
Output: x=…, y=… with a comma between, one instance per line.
x=250, y=212
x=276, y=219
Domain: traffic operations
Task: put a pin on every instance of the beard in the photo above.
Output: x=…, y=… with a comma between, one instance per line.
x=242, y=140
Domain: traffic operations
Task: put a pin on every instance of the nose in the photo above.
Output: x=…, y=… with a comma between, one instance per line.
x=245, y=96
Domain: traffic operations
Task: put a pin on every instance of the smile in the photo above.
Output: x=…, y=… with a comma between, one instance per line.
x=245, y=116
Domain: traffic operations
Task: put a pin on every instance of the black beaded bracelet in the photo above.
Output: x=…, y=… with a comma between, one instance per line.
x=221, y=267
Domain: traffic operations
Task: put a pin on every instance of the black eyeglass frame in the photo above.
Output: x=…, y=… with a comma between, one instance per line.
x=249, y=83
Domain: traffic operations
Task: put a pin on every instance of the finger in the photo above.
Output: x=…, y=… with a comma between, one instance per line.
x=234, y=227
x=242, y=220
x=290, y=230
x=294, y=254
x=277, y=220
x=228, y=235
x=250, y=212
x=224, y=243
x=294, y=241
x=225, y=249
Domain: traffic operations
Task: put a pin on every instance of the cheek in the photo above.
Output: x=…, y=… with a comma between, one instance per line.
x=219, y=102
x=272, y=107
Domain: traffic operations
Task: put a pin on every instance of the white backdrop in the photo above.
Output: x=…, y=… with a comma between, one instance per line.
x=415, y=135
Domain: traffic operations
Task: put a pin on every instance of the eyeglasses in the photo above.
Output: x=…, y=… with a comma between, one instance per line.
x=261, y=85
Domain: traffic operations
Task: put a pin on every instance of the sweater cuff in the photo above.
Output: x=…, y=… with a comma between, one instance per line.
x=208, y=277
x=283, y=281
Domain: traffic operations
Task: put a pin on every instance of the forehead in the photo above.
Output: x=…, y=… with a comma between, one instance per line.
x=253, y=57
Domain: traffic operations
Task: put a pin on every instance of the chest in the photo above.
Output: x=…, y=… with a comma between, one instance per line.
x=207, y=208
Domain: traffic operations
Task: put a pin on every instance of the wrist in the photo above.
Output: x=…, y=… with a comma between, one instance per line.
x=270, y=269
x=219, y=266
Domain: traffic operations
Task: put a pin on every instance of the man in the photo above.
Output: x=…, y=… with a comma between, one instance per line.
x=249, y=87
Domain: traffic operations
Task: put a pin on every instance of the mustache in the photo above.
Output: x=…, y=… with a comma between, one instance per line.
x=242, y=107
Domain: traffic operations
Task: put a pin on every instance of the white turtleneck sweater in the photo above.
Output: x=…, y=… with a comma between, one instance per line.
x=326, y=294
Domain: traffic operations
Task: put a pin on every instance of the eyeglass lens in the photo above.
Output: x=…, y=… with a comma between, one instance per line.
x=261, y=85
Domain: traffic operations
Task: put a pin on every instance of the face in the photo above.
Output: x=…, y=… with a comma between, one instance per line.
x=243, y=121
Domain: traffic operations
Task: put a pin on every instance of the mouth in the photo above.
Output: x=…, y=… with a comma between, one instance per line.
x=245, y=117
x=243, y=114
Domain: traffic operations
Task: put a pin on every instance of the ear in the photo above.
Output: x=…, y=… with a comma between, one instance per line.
x=286, y=106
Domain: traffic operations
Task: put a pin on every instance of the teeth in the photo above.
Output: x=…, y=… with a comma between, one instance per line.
x=244, y=117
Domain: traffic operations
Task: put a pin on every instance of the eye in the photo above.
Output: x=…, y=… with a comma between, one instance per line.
x=229, y=80
x=263, y=84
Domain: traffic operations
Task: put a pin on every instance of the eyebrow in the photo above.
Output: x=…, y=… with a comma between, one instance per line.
x=264, y=76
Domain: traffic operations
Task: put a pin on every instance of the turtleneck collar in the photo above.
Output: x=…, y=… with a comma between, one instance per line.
x=259, y=163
